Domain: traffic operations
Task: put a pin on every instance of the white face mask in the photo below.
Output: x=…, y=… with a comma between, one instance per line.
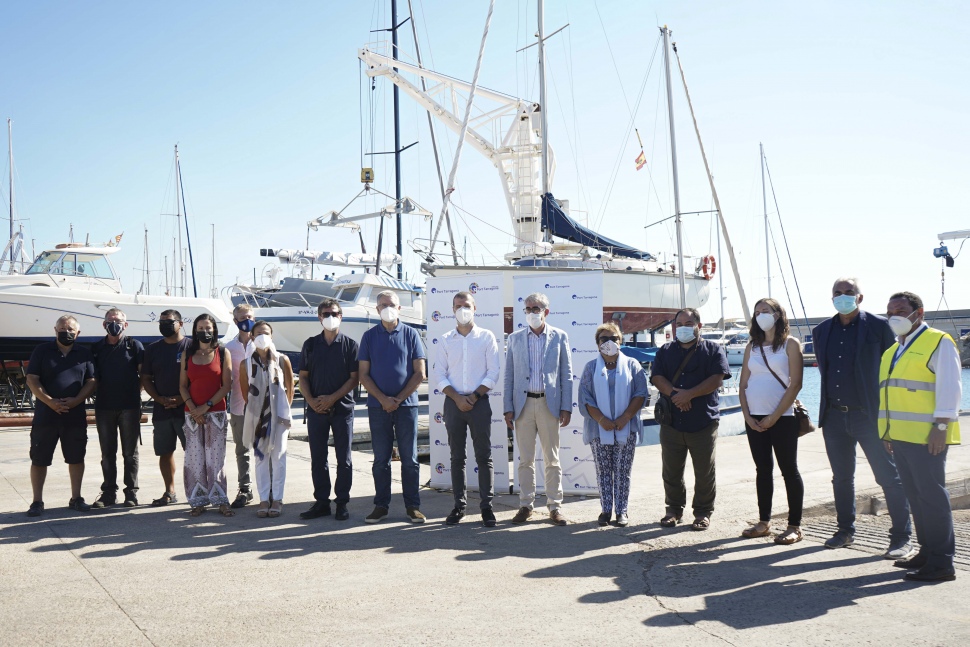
x=901, y=325
x=609, y=348
x=330, y=323
x=389, y=314
x=535, y=319
x=464, y=316
x=685, y=334
x=262, y=342
x=765, y=320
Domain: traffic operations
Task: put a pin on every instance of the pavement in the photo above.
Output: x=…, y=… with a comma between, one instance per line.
x=155, y=576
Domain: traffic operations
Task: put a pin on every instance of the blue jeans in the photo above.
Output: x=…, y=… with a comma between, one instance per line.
x=384, y=427
x=319, y=427
x=924, y=477
x=841, y=433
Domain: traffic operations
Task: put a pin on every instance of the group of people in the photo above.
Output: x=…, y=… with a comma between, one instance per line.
x=891, y=386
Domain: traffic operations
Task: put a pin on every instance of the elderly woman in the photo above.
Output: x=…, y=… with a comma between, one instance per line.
x=612, y=391
x=266, y=384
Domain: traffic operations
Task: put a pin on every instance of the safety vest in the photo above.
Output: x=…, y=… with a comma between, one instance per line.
x=907, y=392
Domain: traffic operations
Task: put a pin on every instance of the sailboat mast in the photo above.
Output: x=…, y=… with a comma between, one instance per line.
x=179, y=285
x=764, y=201
x=673, y=163
x=10, y=157
x=212, y=266
x=188, y=235
x=397, y=147
x=147, y=281
x=547, y=237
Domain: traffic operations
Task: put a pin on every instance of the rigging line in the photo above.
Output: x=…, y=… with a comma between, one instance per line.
x=626, y=137
x=577, y=148
x=784, y=281
x=472, y=232
x=514, y=238
x=573, y=148
x=784, y=236
x=613, y=58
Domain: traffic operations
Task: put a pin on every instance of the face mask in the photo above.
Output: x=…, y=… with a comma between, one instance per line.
x=609, y=348
x=203, y=336
x=246, y=325
x=330, y=323
x=464, y=316
x=167, y=327
x=262, y=342
x=114, y=328
x=685, y=334
x=535, y=319
x=389, y=314
x=845, y=304
x=66, y=338
x=900, y=325
x=765, y=321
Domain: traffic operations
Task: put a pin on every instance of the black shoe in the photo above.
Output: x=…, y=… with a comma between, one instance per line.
x=604, y=519
x=165, y=499
x=317, y=510
x=36, y=508
x=622, y=520
x=455, y=516
x=244, y=497
x=104, y=500
x=915, y=562
x=932, y=575
x=342, y=514
x=79, y=505
x=488, y=518
x=131, y=501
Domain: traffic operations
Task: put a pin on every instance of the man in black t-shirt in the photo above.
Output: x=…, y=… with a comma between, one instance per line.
x=160, y=379
x=117, y=407
x=328, y=376
x=61, y=377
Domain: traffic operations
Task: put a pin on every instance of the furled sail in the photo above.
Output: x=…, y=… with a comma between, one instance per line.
x=560, y=225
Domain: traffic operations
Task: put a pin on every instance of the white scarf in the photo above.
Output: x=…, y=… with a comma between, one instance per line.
x=262, y=383
x=621, y=397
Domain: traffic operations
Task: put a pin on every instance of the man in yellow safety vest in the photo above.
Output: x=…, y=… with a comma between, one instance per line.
x=919, y=401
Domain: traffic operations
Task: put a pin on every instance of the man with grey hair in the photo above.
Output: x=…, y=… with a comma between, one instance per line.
x=240, y=347
x=61, y=377
x=391, y=367
x=848, y=349
x=117, y=406
x=538, y=401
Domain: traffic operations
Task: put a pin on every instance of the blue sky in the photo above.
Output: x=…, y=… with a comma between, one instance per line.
x=861, y=107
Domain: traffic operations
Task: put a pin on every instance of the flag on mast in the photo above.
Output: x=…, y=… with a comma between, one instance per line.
x=641, y=160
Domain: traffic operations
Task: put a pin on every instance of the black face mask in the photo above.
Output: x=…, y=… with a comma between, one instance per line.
x=66, y=338
x=114, y=328
x=204, y=336
x=167, y=327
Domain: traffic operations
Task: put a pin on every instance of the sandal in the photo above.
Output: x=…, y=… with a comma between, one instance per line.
x=226, y=510
x=760, y=529
x=195, y=512
x=792, y=535
x=670, y=520
x=276, y=509
x=263, y=510
x=701, y=523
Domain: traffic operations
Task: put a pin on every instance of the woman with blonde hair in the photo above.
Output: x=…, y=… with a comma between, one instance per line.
x=612, y=391
x=771, y=377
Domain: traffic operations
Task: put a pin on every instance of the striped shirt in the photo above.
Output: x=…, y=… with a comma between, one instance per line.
x=537, y=348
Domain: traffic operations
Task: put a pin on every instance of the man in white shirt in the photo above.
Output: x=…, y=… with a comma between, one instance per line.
x=239, y=347
x=466, y=369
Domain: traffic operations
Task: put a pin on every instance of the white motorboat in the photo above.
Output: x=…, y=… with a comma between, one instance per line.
x=79, y=280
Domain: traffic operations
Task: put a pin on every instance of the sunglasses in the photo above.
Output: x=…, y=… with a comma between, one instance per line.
x=532, y=311
x=606, y=339
x=327, y=315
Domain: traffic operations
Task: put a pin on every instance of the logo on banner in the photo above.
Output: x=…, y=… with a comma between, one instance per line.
x=494, y=420
x=476, y=469
x=498, y=446
x=437, y=392
x=473, y=288
x=494, y=393
x=575, y=432
x=439, y=418
x=440, y=444
x=437, y=291
x=440, y=468
x=434, y=340
x=550, y=286
x=582, y=296
x=436, y=316
x=579, y=323
x=577, y=459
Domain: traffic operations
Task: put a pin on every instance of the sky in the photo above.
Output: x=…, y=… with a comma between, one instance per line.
x=861, y=108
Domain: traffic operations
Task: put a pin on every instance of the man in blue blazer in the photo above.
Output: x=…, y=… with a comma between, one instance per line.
x=848, y=349
x=538, y=401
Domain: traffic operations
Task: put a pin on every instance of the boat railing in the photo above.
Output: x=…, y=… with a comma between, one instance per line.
x=104, y=282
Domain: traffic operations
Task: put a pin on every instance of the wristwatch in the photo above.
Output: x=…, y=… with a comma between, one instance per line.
x=941, y=426
x=208, y=403
x=478, y=396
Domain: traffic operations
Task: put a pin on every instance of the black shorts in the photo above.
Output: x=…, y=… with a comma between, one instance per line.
x=165, y=432
x=44, y=437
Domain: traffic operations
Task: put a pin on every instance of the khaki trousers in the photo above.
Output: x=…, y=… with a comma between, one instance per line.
x=536, y=421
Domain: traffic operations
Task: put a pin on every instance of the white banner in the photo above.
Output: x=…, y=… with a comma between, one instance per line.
x=575, y=306
x=490, y=314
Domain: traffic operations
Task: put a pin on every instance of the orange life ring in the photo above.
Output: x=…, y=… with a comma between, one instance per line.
x=708, y=267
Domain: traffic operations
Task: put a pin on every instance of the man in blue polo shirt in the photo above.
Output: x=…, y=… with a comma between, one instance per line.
x=117, y=407
x=690, y=371
x=61, y=377
x=328, y=377
x=391, y=368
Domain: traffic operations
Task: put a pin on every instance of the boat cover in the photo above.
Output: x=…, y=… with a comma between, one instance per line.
x=559, y=224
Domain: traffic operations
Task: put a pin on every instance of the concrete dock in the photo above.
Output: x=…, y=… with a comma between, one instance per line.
x=155, y=576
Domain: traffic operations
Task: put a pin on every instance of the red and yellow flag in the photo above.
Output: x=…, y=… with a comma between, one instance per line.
x=641, y=160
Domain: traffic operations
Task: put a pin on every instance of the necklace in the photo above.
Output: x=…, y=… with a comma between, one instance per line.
x=610, y=364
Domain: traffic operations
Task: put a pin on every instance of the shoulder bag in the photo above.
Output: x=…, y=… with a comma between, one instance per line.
x=663, y=411
x=805, y=424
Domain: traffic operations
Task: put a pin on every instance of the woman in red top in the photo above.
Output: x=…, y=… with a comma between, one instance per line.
x=205, y=380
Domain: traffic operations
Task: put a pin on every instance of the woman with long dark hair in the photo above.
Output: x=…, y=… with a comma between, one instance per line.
x=771, y=377
x=205, y=380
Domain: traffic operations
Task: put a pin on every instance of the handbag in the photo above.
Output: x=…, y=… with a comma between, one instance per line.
x=663, y=410
x=805, y=424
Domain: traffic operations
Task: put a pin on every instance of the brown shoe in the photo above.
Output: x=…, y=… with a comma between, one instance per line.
x=557, y=517
x=523, y=515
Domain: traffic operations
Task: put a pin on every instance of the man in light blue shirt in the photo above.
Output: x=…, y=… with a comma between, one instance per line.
x=538, y=401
